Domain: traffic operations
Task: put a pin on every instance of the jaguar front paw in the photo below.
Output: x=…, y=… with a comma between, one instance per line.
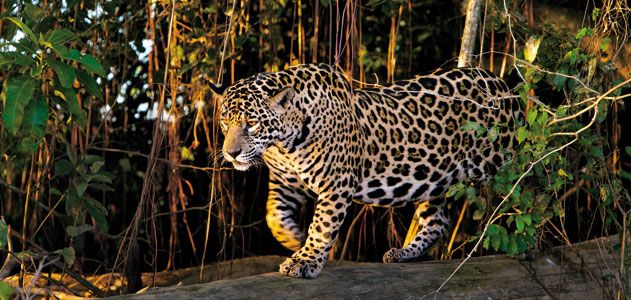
x=297, y=268
x=393, y=255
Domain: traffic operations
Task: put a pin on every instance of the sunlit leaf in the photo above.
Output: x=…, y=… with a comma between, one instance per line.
x=186, y=153
x=22, y=26
x=493, y=133
x=532, y=46
x=531, y=116
x=6, y=291
x=16, y=94
x=522, y=134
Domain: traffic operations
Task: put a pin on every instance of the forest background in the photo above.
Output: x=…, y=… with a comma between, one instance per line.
x=108, y=136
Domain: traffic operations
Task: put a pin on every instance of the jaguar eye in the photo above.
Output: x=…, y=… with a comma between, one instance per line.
x=252, y=123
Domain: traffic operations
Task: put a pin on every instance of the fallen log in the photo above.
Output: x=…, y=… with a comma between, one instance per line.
x=581, y=271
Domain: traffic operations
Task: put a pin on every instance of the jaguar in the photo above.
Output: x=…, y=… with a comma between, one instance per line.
x=386, y=145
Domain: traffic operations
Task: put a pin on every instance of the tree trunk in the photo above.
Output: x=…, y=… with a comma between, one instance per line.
x=469, y=34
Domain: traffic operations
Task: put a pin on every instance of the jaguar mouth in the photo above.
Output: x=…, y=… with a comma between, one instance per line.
x=241, y=166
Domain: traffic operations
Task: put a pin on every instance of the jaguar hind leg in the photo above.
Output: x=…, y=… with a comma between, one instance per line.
x=432, y=222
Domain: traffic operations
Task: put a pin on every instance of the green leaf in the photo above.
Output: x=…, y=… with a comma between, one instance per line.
x=527, y=219
x=561, y=112
x=72, y=153
x=627, y=150
x=16, y=94
x=542, y=118
x=604, y=43
x=32, y=12
x=73, y=201
x=493, y=133
x=59, y=36
x=61, y=50
x=522, y=134
x=562, y=173
x=519, y=221
x=92, y=65
x=23, y=27
x=98, y=212
x=28, y=145
x=583, y=32
x=101, y=186
x=63, y=167
x=68, y=253
x=90, y=159
x=478, y=214
x=76, y=112
x=101, y=177
x=36, y=117
x=90, y=83
x=470, y=125
x=531, y=116
x=595, y=14
x=9, y=59
x=80, y=185
x=4, y=229
x=77, y=230
x=64, y=72
x=96, y=166
x=44, y=42
x=497, y=240
x=186, y=154
x=493, y=229
x=6, y=291
x=36, y=70
x=73, y=54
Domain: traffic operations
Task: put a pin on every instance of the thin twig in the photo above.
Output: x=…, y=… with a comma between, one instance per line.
x=12, y=188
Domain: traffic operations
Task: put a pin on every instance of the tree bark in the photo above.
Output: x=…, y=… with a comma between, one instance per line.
x=581, y=271
x=469, y=34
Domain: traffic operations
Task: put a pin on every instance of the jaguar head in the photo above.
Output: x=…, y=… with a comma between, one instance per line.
x=251, y=120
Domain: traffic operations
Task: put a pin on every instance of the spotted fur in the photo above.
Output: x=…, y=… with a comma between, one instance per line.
x=385, y=146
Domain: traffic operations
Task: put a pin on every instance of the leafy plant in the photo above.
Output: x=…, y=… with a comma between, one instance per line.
x=45, y=75
x=43, y=71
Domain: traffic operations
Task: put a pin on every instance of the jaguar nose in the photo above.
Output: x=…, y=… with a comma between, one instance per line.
x=234, y=153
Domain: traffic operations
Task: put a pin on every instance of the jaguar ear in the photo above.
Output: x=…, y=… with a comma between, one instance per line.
x=217, y=88
x=282, y=98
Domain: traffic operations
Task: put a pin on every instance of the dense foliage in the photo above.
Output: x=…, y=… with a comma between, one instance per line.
x=108, y=143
